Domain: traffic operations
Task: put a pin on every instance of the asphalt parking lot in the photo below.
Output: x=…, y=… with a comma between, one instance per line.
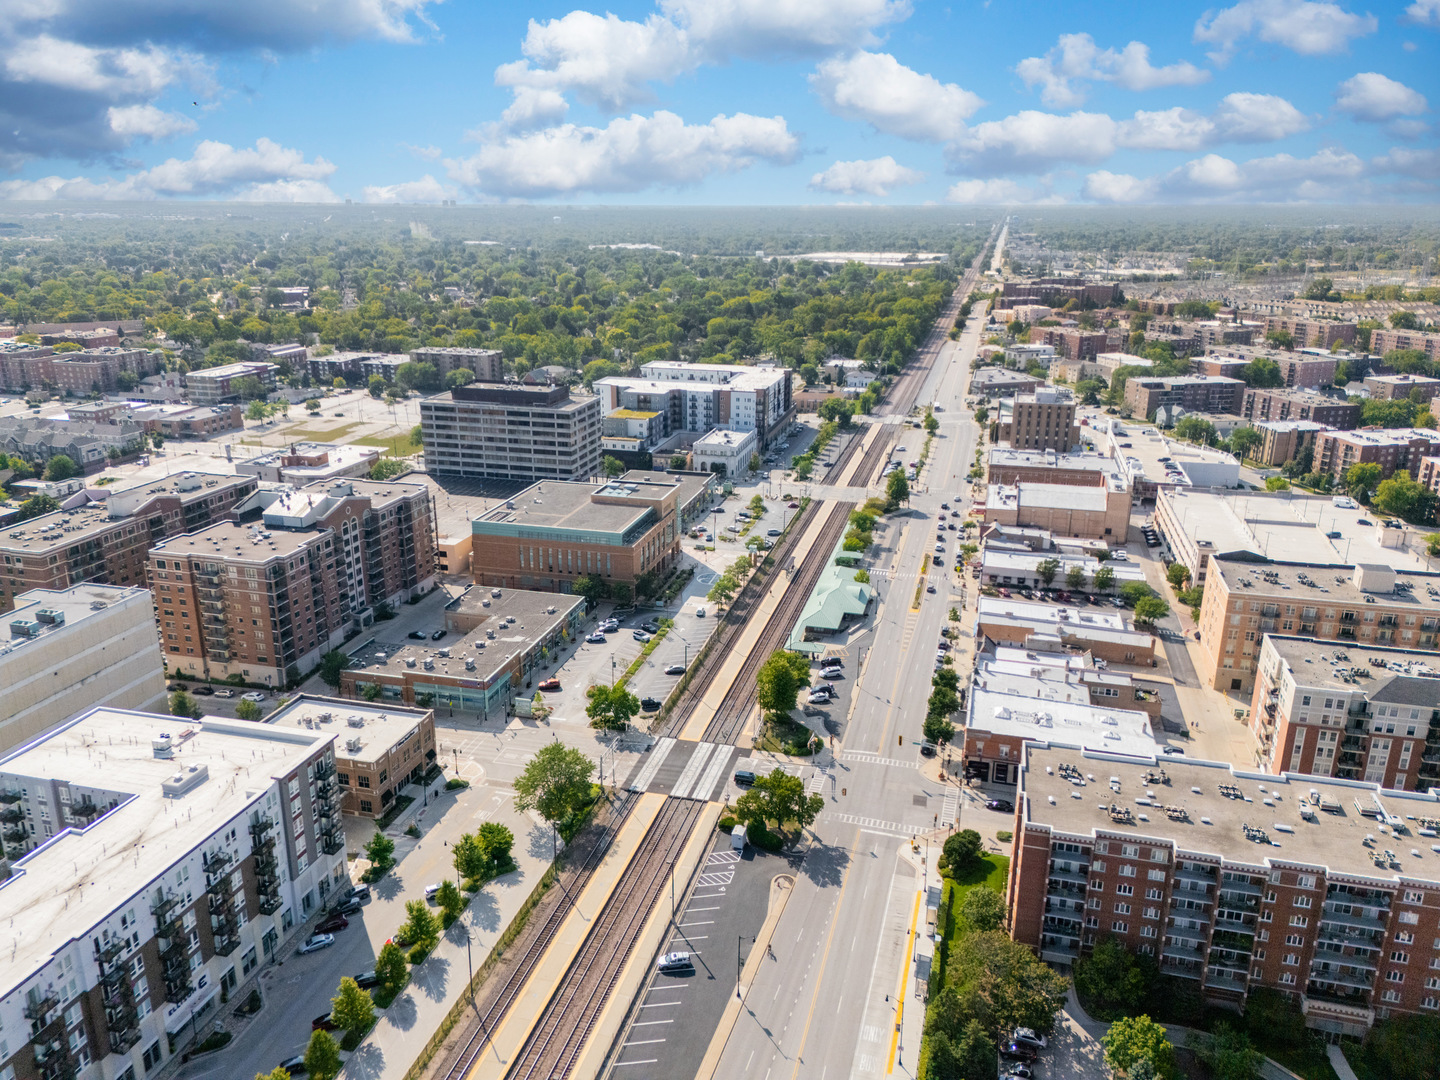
x=674, y=1016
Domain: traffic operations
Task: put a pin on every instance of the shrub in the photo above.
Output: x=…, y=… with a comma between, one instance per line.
x=725, y=824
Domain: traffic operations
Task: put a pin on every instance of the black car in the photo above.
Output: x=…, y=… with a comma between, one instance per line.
x=349, y=907
x=203, y=691
x=438, y=634
x=650, y=626
x=650, y=704
x=295, y=1066
x=1017, y=1052
x=367, y=980
x=417, y=635
x=1005, y=806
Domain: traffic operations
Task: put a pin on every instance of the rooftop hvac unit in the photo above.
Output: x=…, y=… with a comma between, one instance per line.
x=429, y=664
x=445, y=652
x=326, y=717
x=50, y=616
x=352, y=745
x=495, y=593
x=162, y=747
x=469, y=663
x=184, y=782
x=355, y=720
x=410, y=661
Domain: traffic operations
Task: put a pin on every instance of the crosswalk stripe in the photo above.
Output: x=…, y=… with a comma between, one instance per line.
x=658, y=754
x=693, y=768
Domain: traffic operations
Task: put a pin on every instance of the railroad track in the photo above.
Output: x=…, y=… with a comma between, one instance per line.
x=532, y=945
x=571, y=1014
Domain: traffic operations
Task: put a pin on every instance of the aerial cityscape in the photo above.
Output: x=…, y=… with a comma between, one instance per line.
x=933, y=572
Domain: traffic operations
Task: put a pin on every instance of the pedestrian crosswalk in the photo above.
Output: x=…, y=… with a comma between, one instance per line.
x=895, y=828
x=658, y=753
x=816, y=784
x=701, y=768
x=950, y=809
x=873, y=758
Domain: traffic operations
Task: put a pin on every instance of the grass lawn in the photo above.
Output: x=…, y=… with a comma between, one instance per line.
x=990, y=872
x=395, y=446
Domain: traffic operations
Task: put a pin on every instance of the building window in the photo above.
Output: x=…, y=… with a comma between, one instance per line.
x=366, y=806
x=1291, y=959
x=1120, y=927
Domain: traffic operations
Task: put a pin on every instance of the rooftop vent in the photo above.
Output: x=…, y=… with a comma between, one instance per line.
x=162, y=747
x=184, y=782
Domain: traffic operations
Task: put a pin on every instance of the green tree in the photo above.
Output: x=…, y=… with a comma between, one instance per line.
x=1046, y=569
x=556, y=783
x=1227, y=1053
x=449, y=900
x=322, y=1057
x=471, y=858
x=1196, y=429
x=378, y=386
x=780, y=679
x=387, y=468
x=249, y=710
x=1112, y=981
x=612, y=466
x=1104, y=578
x=1132, y=592
x=837, y=409
x=380, y=850
x=459, y=377
x=678, y=462
x=331, y=665
x=723, y=590
x=897, y=490
x=391, y=968
x=755, y=462
x=1004, y=985
x=932, y=425
x=370, y=691
x=1361, y=480
x=277, y=1073
x=338, y=382
x=182, y=704
x=1262, y=372
x=970, y=1055
x=1089, y=391
x=1280, y=339
x=947, y=677
x=256, y=411
x=1432, y=544
x=417, y=435
x=1403, y=497
x=982, y=910
x=249, y=388
x=498, y=840
x=1177, y=574
x=1132, y=1039
x=1276, y=483
x=60, y=467
x=1319, y=289
x=1403, y=320
x=352, y=1009
x=589, y=586
x=938, y=729
x=611, y=708
x=421, y=926
x=1075, y=577
x=962, y=851
x=781, y=798
x=1150, y=610
x=1404, y=1048
x=312, y=406
x=1244, y=440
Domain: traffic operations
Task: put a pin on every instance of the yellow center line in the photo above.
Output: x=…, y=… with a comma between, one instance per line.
x=904, y=977
x=820, y=976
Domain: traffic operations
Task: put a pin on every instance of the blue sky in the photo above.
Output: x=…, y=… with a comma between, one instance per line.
x=720, y=101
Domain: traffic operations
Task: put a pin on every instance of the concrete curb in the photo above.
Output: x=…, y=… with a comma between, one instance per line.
x=781, y=889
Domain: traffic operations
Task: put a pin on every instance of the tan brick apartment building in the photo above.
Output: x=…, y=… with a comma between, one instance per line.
x=1358, y=606
x=1283, y=440
x=1390, y=448
x=1384, y=341
x=217, y=385
x=1043, y=420
x=487, y=364
x=266, y=600
x=1193, y=393
x=1375, y=716
x=1231, y=879
x=1401, y=387
x=1312, y=333
x=554, y=532
x=1078, y=344
x=110, y=542
x=1277, y=404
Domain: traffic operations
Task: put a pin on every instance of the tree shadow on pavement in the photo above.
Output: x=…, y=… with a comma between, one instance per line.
x=366, y=1063
x=822, y=864
x=402, y=1012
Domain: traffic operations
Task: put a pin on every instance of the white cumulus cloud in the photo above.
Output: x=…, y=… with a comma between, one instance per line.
x=1000, y=192
x=1328, y=175
x=1372, y=96
x=147, y=122
x=1077, y=59
x=628, y=154
x=873, y=177
x=1424, y=13
x=1308, y=27
x=725, y=28
x=425, y=190
x=892, y=98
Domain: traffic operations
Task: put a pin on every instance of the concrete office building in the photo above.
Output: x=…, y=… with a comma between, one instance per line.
x=1022, y=357
x=487, y=364
x=1384, y=341
x=725, y=452
x=1375, y=716
x=109, y=542
x=1277, y=404
x=1401, y=387
x=699, y=397
x=1390, y=448
x=1234, y=879
x=1041, y=627
x=379, y=749
x=552, y=533
x=305, y=463
x=1193, y=393
x=69, y=650
x=507, y=640
x=214, y=386
x=157, y=864
x=1285, y=440
x=266, y=600
x=1358, y=606
x=1096, y=512
x=499, y=431
x=1043, y=420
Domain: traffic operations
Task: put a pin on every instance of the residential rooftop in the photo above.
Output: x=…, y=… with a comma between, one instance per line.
x=231, y=540
x=1267, y=820
x=1025, y=706
x=1093, y=623
x=41, y=614
x=1372, y=669
x=1330, y=584
x=571, y=505
x=65, y=888
x=363, y=732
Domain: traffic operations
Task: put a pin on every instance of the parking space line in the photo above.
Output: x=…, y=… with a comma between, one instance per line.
x=647, y=1061
x=658, y=1004
x=704, y=922
x=649, y=1023
x=645, y=1042
x=717, y=907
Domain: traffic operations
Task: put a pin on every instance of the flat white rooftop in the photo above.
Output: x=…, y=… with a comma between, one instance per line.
x=378, y=728
x=1048, y=710
x=63, y=889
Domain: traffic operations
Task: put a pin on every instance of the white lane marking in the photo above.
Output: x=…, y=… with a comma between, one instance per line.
x=692, y=770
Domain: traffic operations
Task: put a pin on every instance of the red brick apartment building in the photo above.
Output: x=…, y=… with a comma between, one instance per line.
x=1384, y=341
x=1256, y=405
x=1390, y=448
x=1236, y=880
x=1312, y=333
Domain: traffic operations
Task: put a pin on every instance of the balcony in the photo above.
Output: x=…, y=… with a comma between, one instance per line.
x=12, y=815
x=8, y=798
x=38, y=1007
x=1059, y=950
x=1199, y=877
x=1334, y=955
x=52, y=1060
x=16, y=834
x=1346, y=633
x=175, y=966
x=1353, y=979
x=216, y=862
x=1387, y=621
x=1070, y=877
x=1357, y=922
x=1225, y=980
x=332, y=841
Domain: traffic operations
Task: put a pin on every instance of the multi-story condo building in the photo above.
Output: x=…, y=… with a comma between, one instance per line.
x=1235, y=879
x=552, y=533
x=487, y=364
x=69, y=650
x=1396, y=387
x=1390, y=448
x=1218, y=365
x=1081, y=344
x=1284, y=440
x=1054, y=292
x=1312, y=333
x=1358, y=606
x=1193, y=393
x=1375, y=716
x=153, y=880
x=109, y=542
x=1384, y=341
x=266, y=600
x=214, y=386
x=24, y=367
x=1043, y=420
x=512, y=433
x=1429, y=473
x=1257, y=405
x=698, y=397
x=1306, y=370
x=344, y=365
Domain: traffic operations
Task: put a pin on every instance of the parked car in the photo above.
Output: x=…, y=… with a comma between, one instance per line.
x=927, y=748
x=641, y=636
x=1014, y=1051
x=323, y=1023
x=1018, y=1070
x=832, y=661
x=609, y=626
x=550, y=686
x=793, y=505
x=944, y=506
x=332, y=924
x=316, y=942
x=773, y=532
x=205, y=691
x=1174, y=751
x=224, y=691
x=596, y=638
x=295, y=1066
x=358, y=892
x=431, y=890
x=417, y=635
x=650, y=626
x=1029, y=1037
x=1004, y=806
x=699, y=613
x=675, y=669
x=831, y=673
x=438, y=634
x=367, y=980
x=256, y=696
x=650, y=704
x=348, y=907
x=675, y=961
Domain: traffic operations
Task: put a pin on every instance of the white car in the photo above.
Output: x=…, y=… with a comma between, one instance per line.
x=255, y=695
x=316, y=942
